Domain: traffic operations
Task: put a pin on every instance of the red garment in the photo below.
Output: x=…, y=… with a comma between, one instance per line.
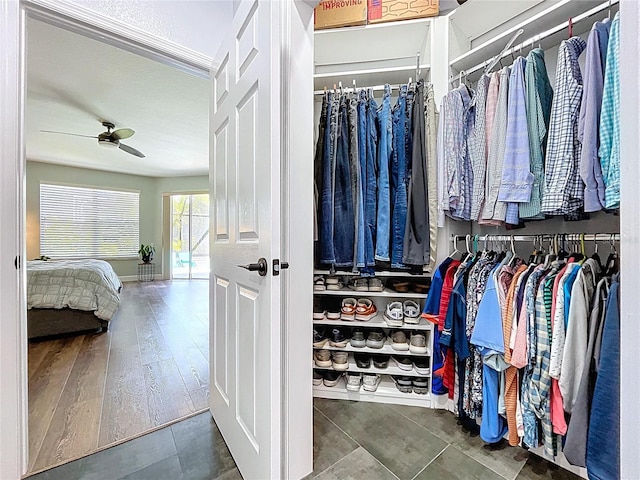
x=447, y=371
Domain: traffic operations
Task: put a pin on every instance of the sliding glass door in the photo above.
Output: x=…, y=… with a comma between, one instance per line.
x=190, y=236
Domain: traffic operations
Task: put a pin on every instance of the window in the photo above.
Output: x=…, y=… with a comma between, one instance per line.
x=80, y=222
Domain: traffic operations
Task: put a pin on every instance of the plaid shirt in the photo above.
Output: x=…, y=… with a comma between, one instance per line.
x=477, y=145
x=564, y=190
x=610, y=120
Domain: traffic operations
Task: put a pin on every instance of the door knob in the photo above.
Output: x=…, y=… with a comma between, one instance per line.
x=261, y=267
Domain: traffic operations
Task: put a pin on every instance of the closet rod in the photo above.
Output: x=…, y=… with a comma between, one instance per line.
x=587, y=237
x=536, y=38
x=375, y=88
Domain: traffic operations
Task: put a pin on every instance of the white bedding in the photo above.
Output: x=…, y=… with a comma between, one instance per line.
x=89, y=285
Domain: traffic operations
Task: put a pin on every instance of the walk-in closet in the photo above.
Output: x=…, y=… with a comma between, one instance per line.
x=468, y=225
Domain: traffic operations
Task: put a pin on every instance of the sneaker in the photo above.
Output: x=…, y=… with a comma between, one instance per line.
x=358, y=339
x=333, y=308
x=332, y=378
x=376, y=285
x=393, y=314
x=318, y=283
x=322, y=358
x=317, y=377
x=359, y=285
x=421, y=365
x=319, y=337
x=404, y=384
x=365, y=310
x=411, y=311
x=370, y=382
x=334, y=283
x=399, y=341
x=403, y=362
x=380, y=361
x=418, y=343
x=354, y=380
x=348, y=309
x=420, y=385
x=363, y=360
x=332, y=280
x=338, y=337
x=376, y=338
x=340, y=361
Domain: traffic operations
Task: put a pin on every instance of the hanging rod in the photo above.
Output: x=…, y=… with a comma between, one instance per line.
x=375, y=88
x=587, y=237
x=547, y=33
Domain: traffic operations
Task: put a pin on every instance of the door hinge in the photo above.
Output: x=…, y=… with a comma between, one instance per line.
x=277, y=266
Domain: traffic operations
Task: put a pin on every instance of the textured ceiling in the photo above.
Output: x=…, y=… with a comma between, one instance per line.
x=74, y=83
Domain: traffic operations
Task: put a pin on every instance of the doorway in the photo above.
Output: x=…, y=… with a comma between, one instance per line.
x=190, y=236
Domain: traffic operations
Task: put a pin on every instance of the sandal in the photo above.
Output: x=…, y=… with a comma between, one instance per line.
x=318, y=283
x=422, y=287
x=348, y=310
x=365, y=310
x=375, y=285
x=411, y=312
x=360, y=285
x=393, y=314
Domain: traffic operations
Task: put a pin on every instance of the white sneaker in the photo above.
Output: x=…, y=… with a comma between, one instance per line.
x=354, y=380
x=370, y=382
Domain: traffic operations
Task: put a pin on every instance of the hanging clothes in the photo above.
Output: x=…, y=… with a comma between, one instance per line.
x=609, y=151
x=477, y=145
x=563, y=190
x=431, y=118
x=383, y=219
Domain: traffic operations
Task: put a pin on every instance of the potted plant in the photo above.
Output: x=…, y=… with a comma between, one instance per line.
x=146, y=252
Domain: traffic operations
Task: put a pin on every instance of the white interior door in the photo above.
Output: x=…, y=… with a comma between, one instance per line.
x=245, y=343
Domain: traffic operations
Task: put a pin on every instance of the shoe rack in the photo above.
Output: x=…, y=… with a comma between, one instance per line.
x=387, y=392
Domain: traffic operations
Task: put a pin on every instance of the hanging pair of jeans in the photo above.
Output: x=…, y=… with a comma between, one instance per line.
x=317, y=166
x=355, y=181
x=344, y=215
x=383, y=219
x=326, y=251
x=401, y=139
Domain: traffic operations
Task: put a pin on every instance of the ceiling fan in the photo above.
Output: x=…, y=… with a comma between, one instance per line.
x=109, y=139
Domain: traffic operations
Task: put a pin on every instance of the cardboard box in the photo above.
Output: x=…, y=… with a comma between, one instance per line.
x=390, y=10
x=340, y=13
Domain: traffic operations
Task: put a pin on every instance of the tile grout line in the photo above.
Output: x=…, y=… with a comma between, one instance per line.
x=430, y=462
x=354, y=440
x=422, y=426
x=486, y=466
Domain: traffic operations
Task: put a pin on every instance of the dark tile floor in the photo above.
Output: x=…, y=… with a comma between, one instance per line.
x=352, y=440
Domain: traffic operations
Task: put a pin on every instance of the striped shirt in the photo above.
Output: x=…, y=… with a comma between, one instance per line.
x=477, y=144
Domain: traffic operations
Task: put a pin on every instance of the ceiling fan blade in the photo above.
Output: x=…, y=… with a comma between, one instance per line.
x=131, y=150
x=66, y=133
x=122, y=133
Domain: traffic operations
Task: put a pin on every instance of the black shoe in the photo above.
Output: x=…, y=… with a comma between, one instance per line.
x=363, y=360
x=380, y=361
x=331, y=378
x=404, y=384
x=319, y=337
x=421, y=365
x=403, y=362
x=339, y=337
x=376, y=338
x=420, y=385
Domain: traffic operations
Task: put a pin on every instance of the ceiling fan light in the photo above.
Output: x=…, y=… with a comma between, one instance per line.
x=107, y=143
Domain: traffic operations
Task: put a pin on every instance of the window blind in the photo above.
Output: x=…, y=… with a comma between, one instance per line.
x=88, y=222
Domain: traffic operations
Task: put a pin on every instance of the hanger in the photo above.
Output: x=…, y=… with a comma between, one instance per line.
x=551, y=256
x=609, y=12
x=455, y=248
x=514, y=256
x=570, y=27
x=418, y=69
x=612, y=265
x=577, y=254
x=595, y=255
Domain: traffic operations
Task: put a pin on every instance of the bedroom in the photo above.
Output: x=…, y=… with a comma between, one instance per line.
x=151, y=366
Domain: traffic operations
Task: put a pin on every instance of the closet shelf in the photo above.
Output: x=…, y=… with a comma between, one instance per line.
x=388, y=293
x=386, y=393
x=377, y=321
x=533, y=26
x=385, y=350
x=390, y=370
x=385, y=273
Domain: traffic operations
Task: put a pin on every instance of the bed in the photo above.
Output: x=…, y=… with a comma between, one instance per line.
x=70, y=297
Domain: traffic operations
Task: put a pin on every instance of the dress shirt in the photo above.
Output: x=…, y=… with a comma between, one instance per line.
x=477, y=144
x=610, y=120
x=589, y=121
x=563, y=191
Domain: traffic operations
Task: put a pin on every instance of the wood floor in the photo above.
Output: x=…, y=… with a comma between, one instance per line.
x=149, y=369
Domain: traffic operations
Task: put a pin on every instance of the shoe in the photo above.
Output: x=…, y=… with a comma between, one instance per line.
x=354, y=380
x=338, y=337
x=334, y=283
x=332, y=378
x=421, y=365
x=358, y=340
x=403, y=362
x=370, y=382
x=420, y=385
x=322, y=358
x=340, y=361
x=317, y=377
x=376, y=285
x=380, y=361
x=363, y=360
x=319, y=315
x=348, y=309
x=393, y=315
x=399, y=341
x=422, y=286
x=365, y=310
x=400, y=286
x=319, y=337
x=359, y=284
x=404, y=384
x=411, y=311
x=318, y=283
x=376, y=338
x=418, y=343
x=333, y=308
